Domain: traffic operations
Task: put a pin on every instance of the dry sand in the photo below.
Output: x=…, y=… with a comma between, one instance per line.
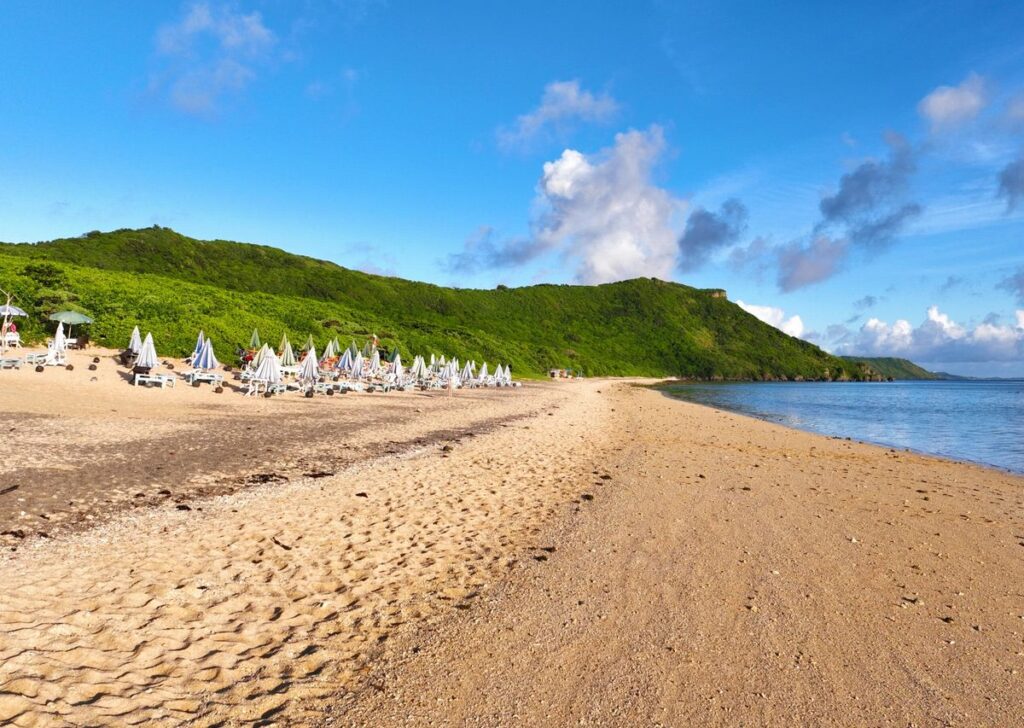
x=594, y=554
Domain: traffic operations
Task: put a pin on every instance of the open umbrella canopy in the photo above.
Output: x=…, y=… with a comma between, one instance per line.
x=71, y=318
x=206, y=358
x=288, y=355
x=135, y=342
x=9, y=310
x=254, y=340
x=309, y=371
x=147, y=354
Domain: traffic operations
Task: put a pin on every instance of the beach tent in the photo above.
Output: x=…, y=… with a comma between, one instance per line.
x=199, y=346
x=147, y=358
x=357, y=366
x=135, y=342
x=288, y=355
x=269, y=370
x=254, y=340
x=309, y=371
x=206, y=358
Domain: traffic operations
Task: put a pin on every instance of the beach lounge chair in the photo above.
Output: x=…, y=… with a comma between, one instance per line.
x=163, y=380
x=8, y=363
x=12, y=340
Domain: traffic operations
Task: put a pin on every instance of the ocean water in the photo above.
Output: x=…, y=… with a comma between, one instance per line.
x=979, y=421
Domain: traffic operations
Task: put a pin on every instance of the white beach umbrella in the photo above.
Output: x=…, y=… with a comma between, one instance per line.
x=206, y=358
x=135, y=343
x=433, y=361
x=483, y=372
x=309, y=371
x=288, y=355
x=60, y=341
x=357, y=365
x=374, y=366
x=396, y=362
x=260, y=355
x=269, y=370
x=398, y=368
x=9, y=310
x=200, y=340
x=147, y=358
x=328, y=351
x=344, y=361
x=466, y=373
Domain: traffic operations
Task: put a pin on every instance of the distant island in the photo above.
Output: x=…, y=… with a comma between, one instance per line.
x=174, y=285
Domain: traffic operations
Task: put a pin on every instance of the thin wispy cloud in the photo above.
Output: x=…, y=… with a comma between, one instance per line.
x=211, y=52
x=563, y=105
x=948, y=107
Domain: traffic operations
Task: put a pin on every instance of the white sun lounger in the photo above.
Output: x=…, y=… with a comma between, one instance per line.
x=162, y=379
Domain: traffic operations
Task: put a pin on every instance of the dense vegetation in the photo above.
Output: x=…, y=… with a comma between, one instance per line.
x=173, y=286
x=894, y=368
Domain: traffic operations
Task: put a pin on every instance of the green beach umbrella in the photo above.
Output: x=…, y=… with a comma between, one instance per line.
x=254, y=340
x=310, y=344
x=71, y=318
x=353, y=348
x=284, y=341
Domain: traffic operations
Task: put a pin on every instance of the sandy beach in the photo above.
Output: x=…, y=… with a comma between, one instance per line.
x=584, y=553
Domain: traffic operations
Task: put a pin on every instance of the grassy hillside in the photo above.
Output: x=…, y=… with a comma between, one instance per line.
x=174, y=285
x=892, y=367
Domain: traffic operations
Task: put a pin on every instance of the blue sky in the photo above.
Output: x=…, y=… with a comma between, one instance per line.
x=852, y=174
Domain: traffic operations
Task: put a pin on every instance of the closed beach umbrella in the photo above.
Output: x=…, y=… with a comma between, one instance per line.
x=199, y=346
x=357, y=365
x=483, y=371
x=309, y=371
x=344, y=361
x=329, y=350
x=147, y=358
x=284, y=342
x=60, y=342
x=309, y=343
x=287, y=355
x=466, y=374
x=135, y=342
x=269, y=370
x=206, y=358
x=374, y=367
x=398, y=368
x=260, y=355
x=254, y=340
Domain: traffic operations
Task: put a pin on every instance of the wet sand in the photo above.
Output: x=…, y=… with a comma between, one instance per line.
x=588, y=554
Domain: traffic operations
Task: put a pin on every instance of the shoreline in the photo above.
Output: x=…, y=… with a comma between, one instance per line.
x=607, y=556
x=771, y=418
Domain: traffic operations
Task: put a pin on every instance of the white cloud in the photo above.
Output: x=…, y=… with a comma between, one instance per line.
x=562, y=104
x=212, y=51
x=605, y=211
x=950, y=106
x=794, y=325
x=938, y=339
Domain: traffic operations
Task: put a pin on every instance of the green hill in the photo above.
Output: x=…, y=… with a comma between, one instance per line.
x=892, y=367
x=174, y=285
